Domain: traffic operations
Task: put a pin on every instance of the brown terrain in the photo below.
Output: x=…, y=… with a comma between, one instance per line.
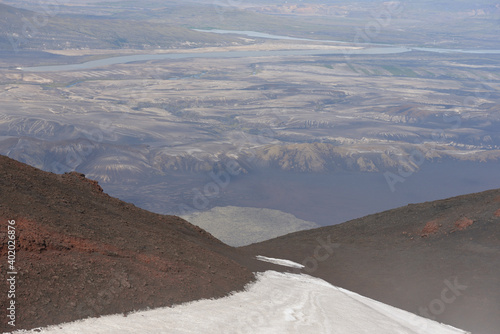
x=82, y=253
x=438, y=259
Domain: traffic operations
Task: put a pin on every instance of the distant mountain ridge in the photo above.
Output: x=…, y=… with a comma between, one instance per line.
x=140, y=161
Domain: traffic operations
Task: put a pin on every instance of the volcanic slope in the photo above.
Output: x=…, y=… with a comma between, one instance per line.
x=438, y=259
x=81, y=253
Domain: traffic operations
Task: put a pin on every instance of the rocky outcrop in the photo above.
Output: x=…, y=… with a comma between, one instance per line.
x=430, y=227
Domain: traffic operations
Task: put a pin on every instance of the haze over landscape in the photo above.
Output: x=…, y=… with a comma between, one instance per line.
x=253, y=120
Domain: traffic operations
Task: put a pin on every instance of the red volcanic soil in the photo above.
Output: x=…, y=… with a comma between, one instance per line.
x=81, y=253
x=463, y=223
x=439, y=259
x=430, y=228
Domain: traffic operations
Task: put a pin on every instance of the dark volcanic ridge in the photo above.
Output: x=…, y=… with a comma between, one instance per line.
x=81, y=253
x=438, y=259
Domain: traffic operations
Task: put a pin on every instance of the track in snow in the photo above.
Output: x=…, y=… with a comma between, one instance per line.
x=276, y=303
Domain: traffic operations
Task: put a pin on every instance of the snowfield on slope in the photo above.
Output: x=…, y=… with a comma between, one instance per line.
x=275, y=303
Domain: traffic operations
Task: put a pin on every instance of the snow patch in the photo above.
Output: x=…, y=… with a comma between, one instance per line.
x=280, y=262
x=275, y=303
